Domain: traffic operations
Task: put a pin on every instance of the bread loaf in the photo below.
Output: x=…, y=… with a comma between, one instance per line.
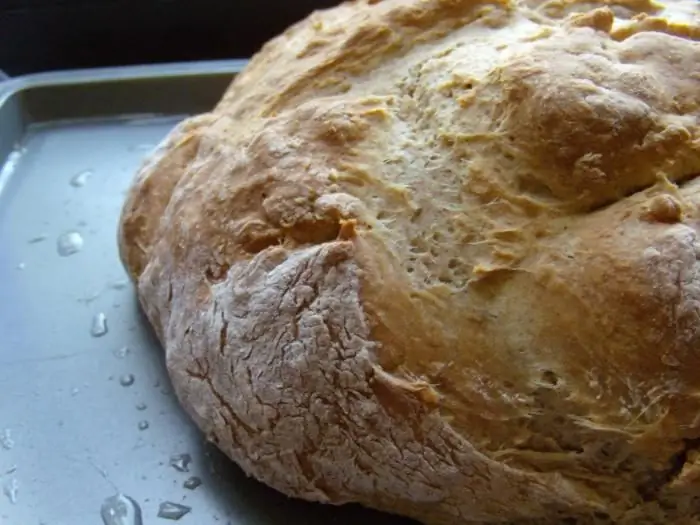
x=442, y=258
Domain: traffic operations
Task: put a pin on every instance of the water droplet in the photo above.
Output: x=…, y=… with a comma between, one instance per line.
x=122, y=352
x=38, y=239
x=6, y=440
x=10, y=490
x=69, y=243
x=141, y=407
x=181, y=462
x=143, y=425
x=21, y=266
x=122, y=284
x=127, y=380
x=121, y=510
x=75, y=391
x=89, y=298
x=192, y=483
x=80, y=179
x=172, y=511
x=99, y=325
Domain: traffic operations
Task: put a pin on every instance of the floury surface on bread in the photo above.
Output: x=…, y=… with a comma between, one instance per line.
x=442, y=258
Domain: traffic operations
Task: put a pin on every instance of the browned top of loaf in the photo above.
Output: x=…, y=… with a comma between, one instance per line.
x=516, y=182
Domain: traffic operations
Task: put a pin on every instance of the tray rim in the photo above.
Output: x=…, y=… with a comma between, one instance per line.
x=14, y=88
x=15, y=85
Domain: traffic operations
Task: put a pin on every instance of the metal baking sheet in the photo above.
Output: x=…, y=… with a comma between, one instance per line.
x=84, y=414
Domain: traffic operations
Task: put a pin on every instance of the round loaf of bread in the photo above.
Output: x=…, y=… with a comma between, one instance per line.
x=442, y=258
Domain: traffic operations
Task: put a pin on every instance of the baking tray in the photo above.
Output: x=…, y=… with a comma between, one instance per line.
x=84, y=414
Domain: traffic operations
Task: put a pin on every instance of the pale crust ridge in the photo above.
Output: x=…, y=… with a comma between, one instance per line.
x=441, y=258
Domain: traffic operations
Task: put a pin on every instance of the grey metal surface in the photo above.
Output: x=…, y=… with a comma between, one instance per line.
x=72, y=427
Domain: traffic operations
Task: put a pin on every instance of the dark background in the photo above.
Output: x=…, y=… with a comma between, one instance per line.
x=44, y=35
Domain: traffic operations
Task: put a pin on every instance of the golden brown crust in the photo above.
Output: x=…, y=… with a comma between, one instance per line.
x=441, y=258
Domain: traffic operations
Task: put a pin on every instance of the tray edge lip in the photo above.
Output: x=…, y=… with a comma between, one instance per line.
x=13, y=87
x=16, y=85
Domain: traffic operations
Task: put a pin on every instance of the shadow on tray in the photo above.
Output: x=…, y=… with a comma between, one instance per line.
x=272, y=507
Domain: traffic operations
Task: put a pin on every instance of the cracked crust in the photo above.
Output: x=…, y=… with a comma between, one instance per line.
x=441, y=258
